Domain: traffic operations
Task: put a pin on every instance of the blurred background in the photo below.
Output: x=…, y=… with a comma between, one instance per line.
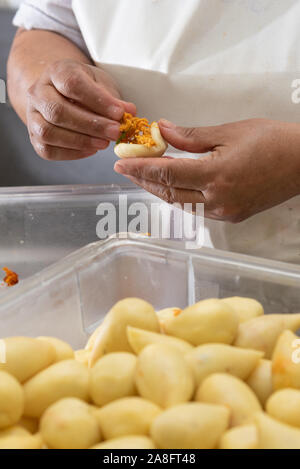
x=19, y=165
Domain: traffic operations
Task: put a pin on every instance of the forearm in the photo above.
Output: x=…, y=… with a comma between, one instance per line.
x=31, y=52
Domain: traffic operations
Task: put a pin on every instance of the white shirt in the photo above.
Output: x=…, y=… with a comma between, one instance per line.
x=52, y=15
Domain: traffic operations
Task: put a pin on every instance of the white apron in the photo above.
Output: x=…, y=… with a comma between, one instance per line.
x=206, y=62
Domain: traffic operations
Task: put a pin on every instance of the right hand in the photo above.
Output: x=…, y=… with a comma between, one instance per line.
x=74, y=110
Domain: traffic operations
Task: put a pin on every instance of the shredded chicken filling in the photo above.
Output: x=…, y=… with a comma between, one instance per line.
x=135, y=130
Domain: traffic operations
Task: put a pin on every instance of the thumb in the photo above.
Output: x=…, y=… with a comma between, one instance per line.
x=191, y=139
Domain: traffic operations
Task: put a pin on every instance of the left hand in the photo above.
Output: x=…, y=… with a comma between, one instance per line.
x=253, y=166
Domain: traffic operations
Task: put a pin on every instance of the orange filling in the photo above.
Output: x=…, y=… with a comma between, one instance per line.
x=176, y=312
x=135, y=131
x=11, y=277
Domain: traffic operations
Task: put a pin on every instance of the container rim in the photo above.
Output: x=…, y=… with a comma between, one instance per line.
x=281, y=271
x=67, y=190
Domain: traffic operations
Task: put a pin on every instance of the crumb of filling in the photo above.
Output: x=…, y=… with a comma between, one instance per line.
x=11, y=277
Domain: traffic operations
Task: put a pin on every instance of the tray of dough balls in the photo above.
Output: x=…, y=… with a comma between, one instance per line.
x=136, y=344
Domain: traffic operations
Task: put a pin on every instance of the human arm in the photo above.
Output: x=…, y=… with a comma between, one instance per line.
x=70, y=107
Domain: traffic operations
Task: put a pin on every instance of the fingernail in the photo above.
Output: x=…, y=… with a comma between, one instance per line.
x=85, y=154
x=115, y=112
x=112, y=131
x=98, y=143
x=129, y=107
x=167, y=124
x=119, y=168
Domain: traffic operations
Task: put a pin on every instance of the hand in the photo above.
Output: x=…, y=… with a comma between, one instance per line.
x=73, y=111
x=253, y=165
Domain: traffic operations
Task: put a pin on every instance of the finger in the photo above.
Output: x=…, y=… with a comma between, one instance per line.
x=179, y=196
x=50, y=153
x=59, y=111
x=129, y=107
x=77, y=84
x=192, y=139
x=171, y=195
x=180, y=173
x=52, y=135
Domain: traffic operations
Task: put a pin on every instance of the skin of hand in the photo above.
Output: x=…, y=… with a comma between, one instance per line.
x=72, y=109
x=251, y=166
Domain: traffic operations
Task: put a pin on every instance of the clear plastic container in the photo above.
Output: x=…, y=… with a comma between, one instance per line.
x=40, y=225
x=70, y=298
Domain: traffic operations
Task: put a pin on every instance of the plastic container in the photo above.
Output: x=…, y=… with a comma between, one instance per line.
x=40, y=225
x=69, y=299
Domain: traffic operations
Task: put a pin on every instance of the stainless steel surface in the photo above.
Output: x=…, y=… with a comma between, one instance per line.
x=70, y=298
x=40, y=225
